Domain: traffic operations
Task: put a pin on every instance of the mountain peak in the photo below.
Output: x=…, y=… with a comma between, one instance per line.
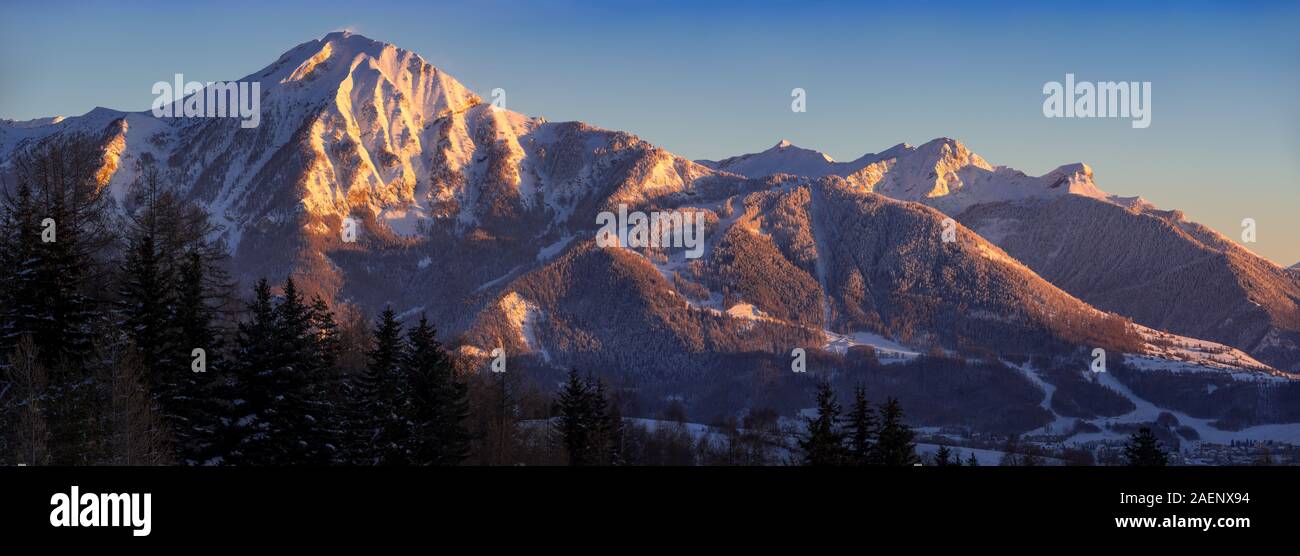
x=340, y=34
x=343, y=68
x=782, y=144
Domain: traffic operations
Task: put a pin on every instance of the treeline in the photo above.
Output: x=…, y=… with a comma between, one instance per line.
x=122, y=342
x=862, y=437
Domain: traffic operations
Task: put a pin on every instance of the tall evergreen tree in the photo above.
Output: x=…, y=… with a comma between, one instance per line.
x=307, y=409
x=615, y=433
x=20, y=238
x=381, y=395
x=862, y=429
x=1144, y=449
x=824, y=442
x=147, y=290
x=247, y=423
x=971, y=461
x=439, y=405
x=329, y=391
x=56, y=232
x=276, y=417
x=896, y=446
x=577, y=425
x=170, y=283
x=943, y=457
x=189, y=395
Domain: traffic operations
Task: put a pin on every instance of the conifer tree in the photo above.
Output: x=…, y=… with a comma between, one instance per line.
x=896, y=446
x=381, y=396
x=1144, y=449
x=861, y=429
x=275, y=418
x=19, y=241
x=57, y=228
x=439, y=405
x=972, y=461
x=330, y=394
x=615, y=434
x=147, y=289
x=169, y=283
x=577, y=425
x=943, y=457
x=249, y=407
x=304, y=409
x=190, y=394
x=824, y=442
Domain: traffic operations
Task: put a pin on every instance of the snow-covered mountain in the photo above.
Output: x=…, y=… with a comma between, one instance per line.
x=942, y=173
x=785, y=158
x=484, y=219
x=1120, y=254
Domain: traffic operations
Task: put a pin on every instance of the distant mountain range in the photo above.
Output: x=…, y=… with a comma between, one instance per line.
x=484, y=219
x=1118, y=254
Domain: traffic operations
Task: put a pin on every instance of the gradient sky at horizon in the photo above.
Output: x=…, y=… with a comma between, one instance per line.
x=713, y=79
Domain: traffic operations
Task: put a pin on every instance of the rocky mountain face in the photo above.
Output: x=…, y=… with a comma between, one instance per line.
x=1118, y=254
x=485, y=219
x=1156, y=267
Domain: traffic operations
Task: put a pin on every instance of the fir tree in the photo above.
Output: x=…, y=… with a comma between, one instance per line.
x=330, y=394
x=381, y=395
x=304, y=407
x=896, y=446
x=189, y=399
x=971, y=461
x=577, y=426
x=1144, y=449
x=943, y=457
x=56, y=229
x=275, y=419
x=19, y=239
x=439, y=405
x=615, y=434
x=824, y=442
x=861, y=429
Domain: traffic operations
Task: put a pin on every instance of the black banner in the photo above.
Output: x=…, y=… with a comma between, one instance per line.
x=319, y=506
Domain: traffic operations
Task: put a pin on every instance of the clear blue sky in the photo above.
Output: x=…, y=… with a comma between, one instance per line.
x=709, y=80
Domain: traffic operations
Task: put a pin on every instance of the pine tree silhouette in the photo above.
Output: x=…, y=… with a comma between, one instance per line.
x=439, y=406
x=380, y=395
x=1143, y=449
x=824, y=442
x=896, y=446
x=578, y=426
x=943, y=457
x=862, y=430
